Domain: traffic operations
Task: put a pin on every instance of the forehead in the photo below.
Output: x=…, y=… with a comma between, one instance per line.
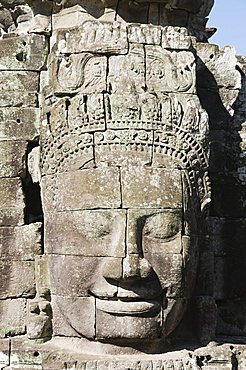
x=116, y=187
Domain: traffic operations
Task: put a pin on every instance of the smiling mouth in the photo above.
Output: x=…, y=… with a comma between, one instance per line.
x=130, y=308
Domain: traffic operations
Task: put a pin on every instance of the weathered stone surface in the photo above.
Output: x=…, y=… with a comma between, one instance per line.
x=29, y=358
x=207, y=318
x=94, y=36
x=119, y=147
x=90, y=188
x=85, y=270
x=87, y=112
x=144, y=187
x=81, y=314
x=12, y=155
x=122, y=127
x=16, y=99
x=133, y=67
x=169, y=269
x=60, y=325
x=144, y=34
x=21, y=81
x=212, y=62
x=133, y=327
x=175, y=38
x=12, y=202
x=84, y=72
x=161, y=79
x=89, y=233
x=17, y=279
x=19, y=123
x=132, y=12
x=12, y=317
x=20, y=242
x=161, y=231
x=4, y=353
x=23, y=53
x=39, y=324
x=206, y=273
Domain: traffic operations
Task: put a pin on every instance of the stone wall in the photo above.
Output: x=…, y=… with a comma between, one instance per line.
x=34, y=44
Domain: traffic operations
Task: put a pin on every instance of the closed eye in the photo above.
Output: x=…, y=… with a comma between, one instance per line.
x=164, y=226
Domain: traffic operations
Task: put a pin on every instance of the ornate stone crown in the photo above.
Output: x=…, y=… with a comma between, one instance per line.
x=139, y=99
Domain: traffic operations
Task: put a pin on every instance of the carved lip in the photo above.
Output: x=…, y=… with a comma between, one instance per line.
x=127, y=307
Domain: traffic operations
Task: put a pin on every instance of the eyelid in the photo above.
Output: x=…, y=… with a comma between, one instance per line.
x=167, y=228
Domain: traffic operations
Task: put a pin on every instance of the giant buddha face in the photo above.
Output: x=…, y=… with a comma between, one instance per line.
x=122, y=250
x=122, y=153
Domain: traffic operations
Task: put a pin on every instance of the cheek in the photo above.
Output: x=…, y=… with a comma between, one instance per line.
x=86, y=233
x=169, y=269
x=71, y=276
x=174, y=262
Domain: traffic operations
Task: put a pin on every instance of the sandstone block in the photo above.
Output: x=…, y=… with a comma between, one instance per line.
x=206, y=274
x=12, y=154
x=123, y=147
x=20, y=242
x=172, y=313
x=206, y=317
x=23, y=53
x=18, y=88
x=178, y=17
x=163, y=80
x=17, y=279
x=16, y=99
x=123, y=69
x=132, y=13
x=160, y=229
x=94, y=36
x=86, y=73
x=175, y=38
x=19, y=123
x=12, y=202
x=60, y=325
x=86, y=275
x=217, y=67
x=144, y=187
x=220, y=291
x=13, y=316
x=42, y=276
x=89, y=188
x=79, y=313
x=169, y=269
x=86, y=233
x=21, y=81
x=4, y=353
x=127, y=327
x=87, y=112
x=144, y=34
x=25, y=355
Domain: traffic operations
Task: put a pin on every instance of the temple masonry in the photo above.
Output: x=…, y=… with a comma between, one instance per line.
x=122, y=188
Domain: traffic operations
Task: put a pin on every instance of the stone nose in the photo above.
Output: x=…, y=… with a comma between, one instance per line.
x=135, y=267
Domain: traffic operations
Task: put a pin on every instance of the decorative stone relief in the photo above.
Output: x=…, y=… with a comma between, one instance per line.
x=105, y=181
x=106, y=249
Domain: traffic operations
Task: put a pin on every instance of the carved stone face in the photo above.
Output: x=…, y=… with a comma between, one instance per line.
x=117, y=251
x=120, y=222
